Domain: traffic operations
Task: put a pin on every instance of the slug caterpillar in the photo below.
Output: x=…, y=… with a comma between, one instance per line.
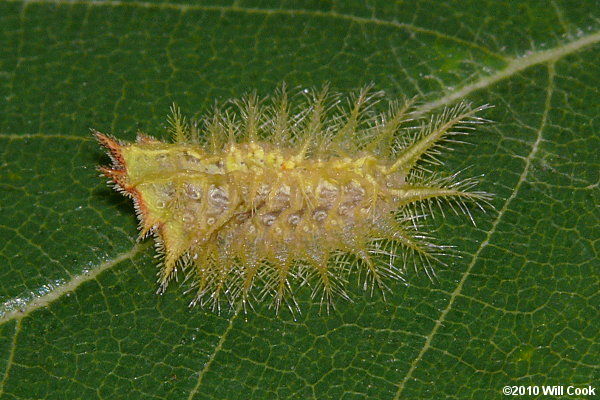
x=262, y=196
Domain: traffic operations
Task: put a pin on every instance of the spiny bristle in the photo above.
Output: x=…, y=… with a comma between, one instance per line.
x=267, y=195
x=178, y=126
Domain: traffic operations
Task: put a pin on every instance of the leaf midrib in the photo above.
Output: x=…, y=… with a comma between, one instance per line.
x=69, y=286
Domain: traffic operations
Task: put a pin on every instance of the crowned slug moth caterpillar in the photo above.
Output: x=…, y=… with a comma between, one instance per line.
x=263, y=196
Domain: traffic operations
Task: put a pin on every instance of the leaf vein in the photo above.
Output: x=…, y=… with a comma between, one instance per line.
x=216, y=350
x=273, y=11
x=457, y=291
x=11, y=356
x=9, y=312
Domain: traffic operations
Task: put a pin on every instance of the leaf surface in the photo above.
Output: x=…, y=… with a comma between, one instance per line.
x=78, y=314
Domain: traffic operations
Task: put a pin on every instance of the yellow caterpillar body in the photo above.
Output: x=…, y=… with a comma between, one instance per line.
x=264, y=198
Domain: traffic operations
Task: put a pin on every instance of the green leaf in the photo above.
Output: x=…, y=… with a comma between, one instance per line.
x=78, y=314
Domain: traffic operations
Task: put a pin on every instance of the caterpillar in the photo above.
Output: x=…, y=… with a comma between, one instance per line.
x=265, y=195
